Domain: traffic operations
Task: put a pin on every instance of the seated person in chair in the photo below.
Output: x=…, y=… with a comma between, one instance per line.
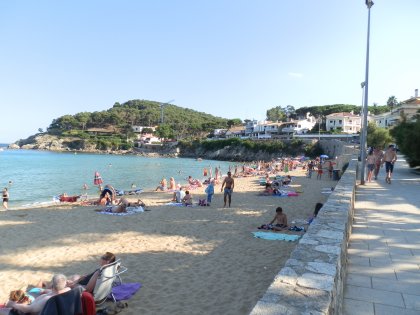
x=89, y=281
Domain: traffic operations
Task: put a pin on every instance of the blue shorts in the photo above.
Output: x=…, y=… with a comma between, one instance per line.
x=228, y=191
x=370, y=167
x=389, y=167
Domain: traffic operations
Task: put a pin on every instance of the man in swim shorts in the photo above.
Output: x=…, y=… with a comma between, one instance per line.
x=390, y=157
x=228, y=184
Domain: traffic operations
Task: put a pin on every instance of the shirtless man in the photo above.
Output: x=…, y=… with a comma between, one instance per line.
x=281, y=220
x=58, y=286
x=389, y=159
x=228, y=184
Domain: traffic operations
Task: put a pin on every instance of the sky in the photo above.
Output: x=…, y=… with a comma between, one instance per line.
x=228, y=58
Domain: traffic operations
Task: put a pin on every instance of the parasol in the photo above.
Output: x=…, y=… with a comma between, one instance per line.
x=97, y=180
x=323, y=156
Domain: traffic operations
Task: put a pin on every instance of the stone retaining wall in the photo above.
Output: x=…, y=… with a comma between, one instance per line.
x=312, y=280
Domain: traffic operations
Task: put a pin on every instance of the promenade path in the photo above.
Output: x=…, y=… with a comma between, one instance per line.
x=383, y=273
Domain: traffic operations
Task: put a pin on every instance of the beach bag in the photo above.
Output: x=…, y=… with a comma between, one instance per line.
x=202, y=202
x=88, y=304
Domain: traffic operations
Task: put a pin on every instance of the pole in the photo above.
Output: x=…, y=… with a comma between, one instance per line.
x=369, y=4
x=319, y=129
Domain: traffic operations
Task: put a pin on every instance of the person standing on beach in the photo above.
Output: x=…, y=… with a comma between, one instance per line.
x=210, y=191
x=6, y=198
x=390, y=157
x=228, y=184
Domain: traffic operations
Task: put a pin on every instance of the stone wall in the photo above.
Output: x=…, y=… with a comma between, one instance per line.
x=312, y=280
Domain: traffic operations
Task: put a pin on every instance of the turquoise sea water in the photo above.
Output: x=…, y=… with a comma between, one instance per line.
x=37, y=176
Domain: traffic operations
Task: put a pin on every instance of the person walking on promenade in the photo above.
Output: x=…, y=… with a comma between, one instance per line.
x=370, y=161
x=379, y=154
x=228, y=184
x=389, y=159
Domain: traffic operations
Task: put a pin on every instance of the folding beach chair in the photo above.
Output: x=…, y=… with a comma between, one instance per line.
x=109, y=276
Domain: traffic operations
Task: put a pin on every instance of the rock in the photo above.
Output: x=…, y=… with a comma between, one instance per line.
x=13, y=146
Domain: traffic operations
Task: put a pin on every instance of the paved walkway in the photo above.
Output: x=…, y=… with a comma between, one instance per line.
x=383, y=273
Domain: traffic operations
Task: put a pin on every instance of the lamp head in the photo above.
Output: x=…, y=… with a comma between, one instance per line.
x=369, y=3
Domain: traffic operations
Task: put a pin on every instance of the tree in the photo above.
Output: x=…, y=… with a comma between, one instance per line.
x=290, y=111
x=234, y=122
x=406, y=133
x=392, y=102
x=164, y=132
x=276, y=114
x=40, y=130
x=377, y=137
x=146, y=130
x=83, y=119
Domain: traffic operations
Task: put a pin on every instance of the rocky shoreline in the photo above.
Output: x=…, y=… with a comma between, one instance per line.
x=68, y=144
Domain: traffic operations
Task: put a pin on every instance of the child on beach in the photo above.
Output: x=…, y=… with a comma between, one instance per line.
x=280, y=220
x=210, y=192
x=187, y=200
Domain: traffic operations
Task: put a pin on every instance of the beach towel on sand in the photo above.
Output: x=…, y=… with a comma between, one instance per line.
x=125, y=291
x=275, y=236
x=130, y=211
x=178, y=204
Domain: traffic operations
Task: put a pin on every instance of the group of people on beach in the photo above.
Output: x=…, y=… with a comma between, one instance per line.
x=34, y=300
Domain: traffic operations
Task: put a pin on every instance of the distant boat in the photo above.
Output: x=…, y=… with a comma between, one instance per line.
x=199, y=159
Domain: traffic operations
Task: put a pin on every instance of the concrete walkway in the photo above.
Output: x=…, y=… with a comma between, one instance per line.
x=383, y=272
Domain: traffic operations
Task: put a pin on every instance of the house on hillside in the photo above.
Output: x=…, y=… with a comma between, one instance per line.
x=346, y=122
x=102, y=131
x=236, y=132
x=139, y=129
x=407, y=108
x=265, y=130
x=300, y=126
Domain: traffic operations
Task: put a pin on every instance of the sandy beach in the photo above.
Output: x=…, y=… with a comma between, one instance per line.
x=189, y=260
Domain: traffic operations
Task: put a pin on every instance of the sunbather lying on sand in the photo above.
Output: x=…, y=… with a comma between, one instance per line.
x=58, y=285
x=124, y=201
x=114, y=209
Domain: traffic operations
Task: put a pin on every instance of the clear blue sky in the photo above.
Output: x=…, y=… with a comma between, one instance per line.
x=229, y=58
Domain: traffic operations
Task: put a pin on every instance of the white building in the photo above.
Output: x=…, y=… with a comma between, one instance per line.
x=299, y=126
x=139, y=129
x=408, y=108
x=346, y=122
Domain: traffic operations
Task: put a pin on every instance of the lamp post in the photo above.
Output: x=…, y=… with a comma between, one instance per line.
x=319, y=128
x=162, y=106
x=369, y=4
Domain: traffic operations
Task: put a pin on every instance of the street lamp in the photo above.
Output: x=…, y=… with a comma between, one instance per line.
x=369, y=4
x=319, y=128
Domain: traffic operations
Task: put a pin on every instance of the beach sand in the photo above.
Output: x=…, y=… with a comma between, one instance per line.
x=198, y=260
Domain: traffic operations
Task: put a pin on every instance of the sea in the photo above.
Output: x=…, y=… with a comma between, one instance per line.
x=36, y=178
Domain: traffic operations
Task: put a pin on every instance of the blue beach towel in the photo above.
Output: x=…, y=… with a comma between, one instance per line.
x=125, y=291
x=130, y=211
x=275, y=236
